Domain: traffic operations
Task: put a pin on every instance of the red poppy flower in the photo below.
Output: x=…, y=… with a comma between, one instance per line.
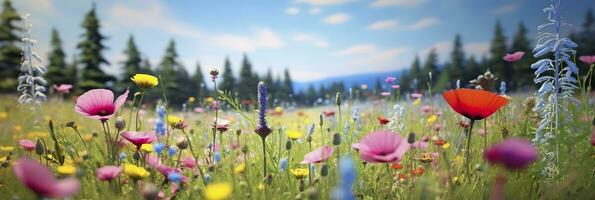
x=474, y=104
x=397, y=166
x=328, y=113
x=382, y=120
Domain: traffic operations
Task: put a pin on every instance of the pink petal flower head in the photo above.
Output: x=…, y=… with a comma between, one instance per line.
x=108, y=173
x=426, y=109
x=395, y=86
x=318, y=155
x=63, y=88
x=40, y=180
x=99, y=104
x=189, y=162
x=27, y=144
x=199, y=110
x=139, y=138
x=420, y=145
x=416, y=95
x=587, y=59
x=512, y=154
x=382, y=147
x=516, y=56
x=153, y=161
x=215, y=105
x=390, y=79
x=385, y=94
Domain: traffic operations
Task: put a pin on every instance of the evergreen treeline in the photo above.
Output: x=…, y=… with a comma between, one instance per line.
x=85, y=72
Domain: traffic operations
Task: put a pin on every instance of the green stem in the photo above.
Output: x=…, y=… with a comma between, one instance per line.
x=264, y=156
x=140, y=103
x=467, y=153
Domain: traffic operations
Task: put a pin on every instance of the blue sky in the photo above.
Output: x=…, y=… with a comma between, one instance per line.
x=314, y=38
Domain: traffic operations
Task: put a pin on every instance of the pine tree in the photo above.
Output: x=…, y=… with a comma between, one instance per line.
x=287, y=85
x=132, y=64
x=431, y=65
x=229, y=82
x=499, y=67
x=10, y=52
x=170, y=71
x=456, y=67
x=415, y=74
x=90, y=56
x=247, y=81
x=474, y=68
x=522, y=68
x=145, y=67
x=199, y=80
x=57, y=67
x=268, y=80
x=72, y=72
x=310, y=94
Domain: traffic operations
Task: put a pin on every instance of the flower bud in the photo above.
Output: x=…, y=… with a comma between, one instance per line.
x=71, y=124
x=336, y=139
x=244, y=149
x=288, y=145
x=302, y=185
x=269, y=179
x=39, y=147
x=321, y=121
x=182, y=143
x=312, y=193
x=338, y=99
x=324, y=170
x=120, y=123
x=411, y=138
x=150, y=192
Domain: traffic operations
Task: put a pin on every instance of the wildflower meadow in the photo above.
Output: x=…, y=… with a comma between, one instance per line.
x=518, y=126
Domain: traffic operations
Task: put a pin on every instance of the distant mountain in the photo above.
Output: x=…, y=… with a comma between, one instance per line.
x=349, y=80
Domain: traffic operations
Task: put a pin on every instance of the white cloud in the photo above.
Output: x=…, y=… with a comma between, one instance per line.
x=292, y=11
x=395, y=25
x=37, y=7
x=314, y=11
x=152, y=16
x=358, y=49
x=322, y=2
x=384, y=24
x=505, y=9
x=402, y=3
x=338, y=18
x=310, y=39
x=423, y=23
x=263, y=38
x=444, y=48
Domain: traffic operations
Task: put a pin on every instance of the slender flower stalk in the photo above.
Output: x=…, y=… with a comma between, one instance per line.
x=214, y=73
x=262, y=128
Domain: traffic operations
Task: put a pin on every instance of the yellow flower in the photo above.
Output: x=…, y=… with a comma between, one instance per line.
x=240, y=168
x=445, y=146
x=147, y=148
x=417, y=102
x=175, y=122
x=432, y=119
x=2, y=159
x=294, y=135
x=278, y=109
x=260, y=186
x=217, y=191
x=87, y=137
x=3, y=115
x=37, y=134
x=6, y=148
x=145, y=81
x=300, y=173
x=135, y=172
x=66, y=170
x=191, y=99
x=209, y=99
x=17, y=128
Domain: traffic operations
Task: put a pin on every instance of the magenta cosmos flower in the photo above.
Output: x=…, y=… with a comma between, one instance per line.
x=516, y=56
x=318, y=155
x=512, y=153
x=139, y=138
x=40, y=180
x=108, y=173
x=587, y=59
x=382, y=147
x=99, y=104
x=27, y=144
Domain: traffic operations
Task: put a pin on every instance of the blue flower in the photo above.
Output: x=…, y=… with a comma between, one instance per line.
x=122, y=156
x=347, y=172
x=172, y=151
x=312, y=169
x=207, y=178
x=283, y=164
x=217, y=156
x=262, y=128
x=174, y=177
x=160, y=124
x=158, y=147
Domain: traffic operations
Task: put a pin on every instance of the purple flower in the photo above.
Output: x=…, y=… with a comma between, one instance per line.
x=40, y=179
x=262, y=128
x=512, y=154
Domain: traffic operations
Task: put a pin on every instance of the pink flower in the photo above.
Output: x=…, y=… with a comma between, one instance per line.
x=416, y=95
x=587, y=59
x=40, y=180
x=63, y=88
x=318, y=155
x=426, y=109
x=99, y=104
x=189, y=162
x=512, y=153
x=395, y=86
x=199, y=110
x=420, y=145
x=516, y=56
x=139, y=138
x=390, y=79
x=385, y=94
x=498, y=188
x=27, y=144
x=215, y=105
x=108, y=173
x=382, y=147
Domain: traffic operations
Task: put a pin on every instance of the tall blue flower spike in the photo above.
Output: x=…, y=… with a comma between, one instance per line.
x=558, y=81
